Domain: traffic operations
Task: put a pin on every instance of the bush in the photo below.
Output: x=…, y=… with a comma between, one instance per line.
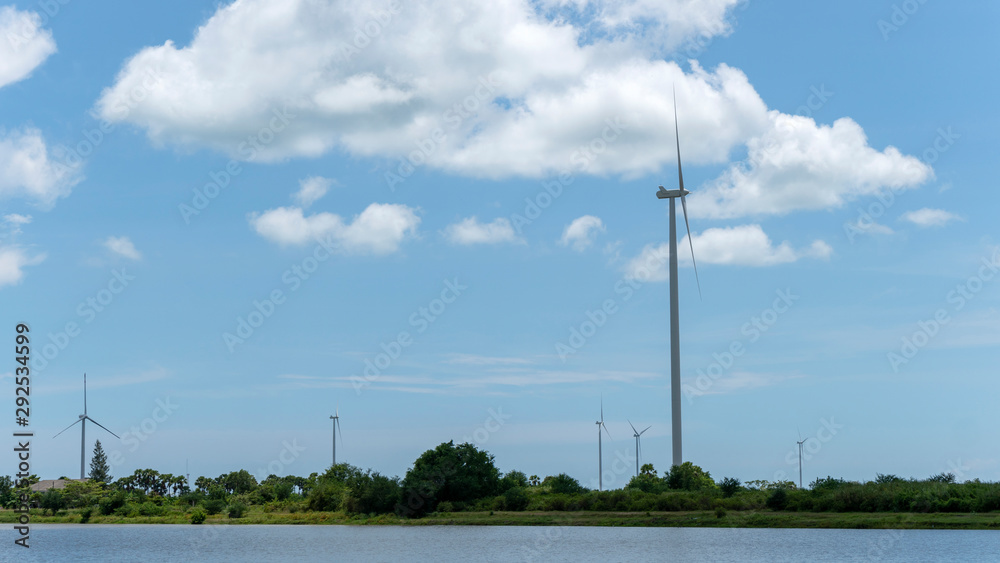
x=197, y=516
x=214, y=506
x=445, y=506
x=109, y=504
x=150, y=508
x=85, y=514
x=237, y=509
x=720, y=512
x=516, y=498
x=778, y=499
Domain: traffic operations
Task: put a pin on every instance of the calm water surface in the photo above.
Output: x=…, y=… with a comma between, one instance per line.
x=96, y=542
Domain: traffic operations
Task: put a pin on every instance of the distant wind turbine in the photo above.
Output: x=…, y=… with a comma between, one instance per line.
x=638, y=449
x=600, y=459
x=83, y=428
x=675, y=337
x=800, y=442
x=336, y=428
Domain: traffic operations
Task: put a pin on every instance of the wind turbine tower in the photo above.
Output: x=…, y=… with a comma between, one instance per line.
x=600, y=459
x=800, y=442
x=675, y=337
x=336, y=428
x=83, y=429
x=638, y=449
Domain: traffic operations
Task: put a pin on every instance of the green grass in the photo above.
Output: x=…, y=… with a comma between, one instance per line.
x=732, y=518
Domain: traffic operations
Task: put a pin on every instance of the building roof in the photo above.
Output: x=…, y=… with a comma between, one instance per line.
x=46, y=484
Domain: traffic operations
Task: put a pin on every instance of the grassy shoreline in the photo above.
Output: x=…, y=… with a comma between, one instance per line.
x=705, y=519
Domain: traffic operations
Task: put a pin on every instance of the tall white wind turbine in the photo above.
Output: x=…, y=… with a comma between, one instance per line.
x=800, y=442
x=83, y=428
x=600, y=459
x=675, y=337
x=336, y=428
x=638, y=449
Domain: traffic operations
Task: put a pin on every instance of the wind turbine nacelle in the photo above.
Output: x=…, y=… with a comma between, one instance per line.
x=666, y=194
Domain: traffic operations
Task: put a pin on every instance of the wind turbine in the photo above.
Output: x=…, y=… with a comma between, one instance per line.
x=800, y=442
x=638, y=449
x=336, y=428
x=675, y=337
x=600, y=459
x=83, y=428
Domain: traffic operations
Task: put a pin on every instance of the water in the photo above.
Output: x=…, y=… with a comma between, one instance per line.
x=220, y=543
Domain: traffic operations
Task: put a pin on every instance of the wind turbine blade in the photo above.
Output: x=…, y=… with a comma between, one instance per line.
x=647, y=428
x=602, y=409
x=85, y=394
x=99, y=424
x=338, y=430
x=633, y=427
x=605, y=427
x=680, y=180
x=799, y=431
x=690, y=242
x=68, y=427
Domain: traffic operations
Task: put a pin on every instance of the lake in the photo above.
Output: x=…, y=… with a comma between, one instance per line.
x=224, y=543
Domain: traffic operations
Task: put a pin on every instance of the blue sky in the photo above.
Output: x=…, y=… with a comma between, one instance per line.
x=463, y=196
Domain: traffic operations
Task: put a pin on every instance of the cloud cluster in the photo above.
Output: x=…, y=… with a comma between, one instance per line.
x=744, y=245
x=122, y=246
x=380, y=229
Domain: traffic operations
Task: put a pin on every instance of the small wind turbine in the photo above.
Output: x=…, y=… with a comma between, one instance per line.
x=336, y=428
x=675, y=337
x=83, y=428
x=638, y=449
x=600, y=459
x=800, y=442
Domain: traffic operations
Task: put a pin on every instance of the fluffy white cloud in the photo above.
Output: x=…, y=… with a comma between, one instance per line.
x=928, y=217
x=23, y=44
x=744, y=245
x=379, y=229
x=14, y=221
x=799, y=165
x=13, y=259
x=122, y=246
x=30, y=171
x=471, y=231
x=311, y=189
x=511, y=91
x=582, y=232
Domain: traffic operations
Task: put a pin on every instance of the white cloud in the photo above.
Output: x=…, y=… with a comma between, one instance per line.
x=928, y=217
x=379, y=229
x=14, y=222
x=471, y=231
x=311, y=189
x=440, y=64
x=582, y=232
x=29, y=171
x=497, y=89
x=869, y=227
x=122, y=246
x=744, y=245
x=24, y=45
x=13, y=259
x=799, y=165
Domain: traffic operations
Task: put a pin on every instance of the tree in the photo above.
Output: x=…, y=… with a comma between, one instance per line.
x=730, y=486
x=7, y=495
x=689, y=477
x=534, y=481
x=647, y=469
x=52, y=500
x=563, y=484
x=513, y=479
x=448, y=473
x=99, y=470
x=371, y=493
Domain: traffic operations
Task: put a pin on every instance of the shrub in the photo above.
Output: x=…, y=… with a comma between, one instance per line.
x=516, y=498
x=445, y=506
x=563, y=484
x=214, y=506
x=237, y=509
x=197, y=516
x=778, y=499
x=109, y=504
x=720, y=512
x=85, y=514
